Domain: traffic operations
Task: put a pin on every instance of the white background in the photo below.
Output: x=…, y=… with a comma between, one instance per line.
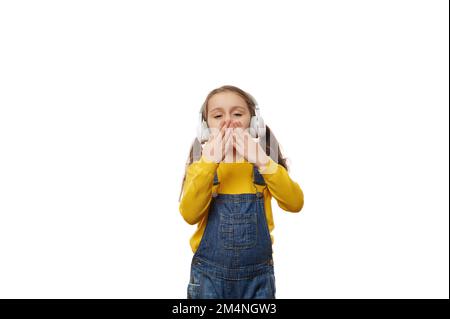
x=98, y=107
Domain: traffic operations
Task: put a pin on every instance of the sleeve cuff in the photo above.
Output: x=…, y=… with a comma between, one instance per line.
x=270, y=168
x=204, y=161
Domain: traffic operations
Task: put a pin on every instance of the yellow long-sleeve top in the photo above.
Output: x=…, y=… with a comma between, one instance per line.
x=235, y=178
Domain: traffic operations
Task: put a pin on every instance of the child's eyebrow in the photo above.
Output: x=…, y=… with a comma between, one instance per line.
x=233, y=107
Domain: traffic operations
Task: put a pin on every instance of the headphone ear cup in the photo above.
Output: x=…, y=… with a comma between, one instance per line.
x=202, y=132
x=205, y=132
x=257, y=127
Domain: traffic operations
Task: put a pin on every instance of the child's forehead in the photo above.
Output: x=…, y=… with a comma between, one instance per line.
x=226, y=96
x=226, y=100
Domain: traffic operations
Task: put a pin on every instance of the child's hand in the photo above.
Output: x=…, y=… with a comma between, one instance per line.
x=247, y=147
x=214, y=148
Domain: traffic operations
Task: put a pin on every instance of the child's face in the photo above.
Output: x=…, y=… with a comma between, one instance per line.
x=226, y=106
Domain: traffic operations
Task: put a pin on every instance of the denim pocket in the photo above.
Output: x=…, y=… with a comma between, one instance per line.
x=238, y=230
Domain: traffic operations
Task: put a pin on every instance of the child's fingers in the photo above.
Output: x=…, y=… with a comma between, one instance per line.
x=227, y=141
x=225, y=138
x=222, y=139
x=239, y=147
x=238, y=142
x=219, y=132
x=241, y=141
x=229, y=138
x=238, y=134
x=238, y=128
x=238, y=138
x=223, y=131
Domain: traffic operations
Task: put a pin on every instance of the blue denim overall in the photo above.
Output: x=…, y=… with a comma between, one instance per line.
x=234, y=258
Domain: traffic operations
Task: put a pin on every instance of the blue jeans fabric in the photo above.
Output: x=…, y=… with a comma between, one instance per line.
x=234, y=258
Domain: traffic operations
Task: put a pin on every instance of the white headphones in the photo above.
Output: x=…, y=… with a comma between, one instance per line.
x=257, y=127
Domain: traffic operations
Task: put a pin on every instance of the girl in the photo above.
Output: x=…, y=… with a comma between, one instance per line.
x=227, y=191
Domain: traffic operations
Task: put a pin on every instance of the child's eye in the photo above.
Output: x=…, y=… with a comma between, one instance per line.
x=217, y=116
x=238, y=114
